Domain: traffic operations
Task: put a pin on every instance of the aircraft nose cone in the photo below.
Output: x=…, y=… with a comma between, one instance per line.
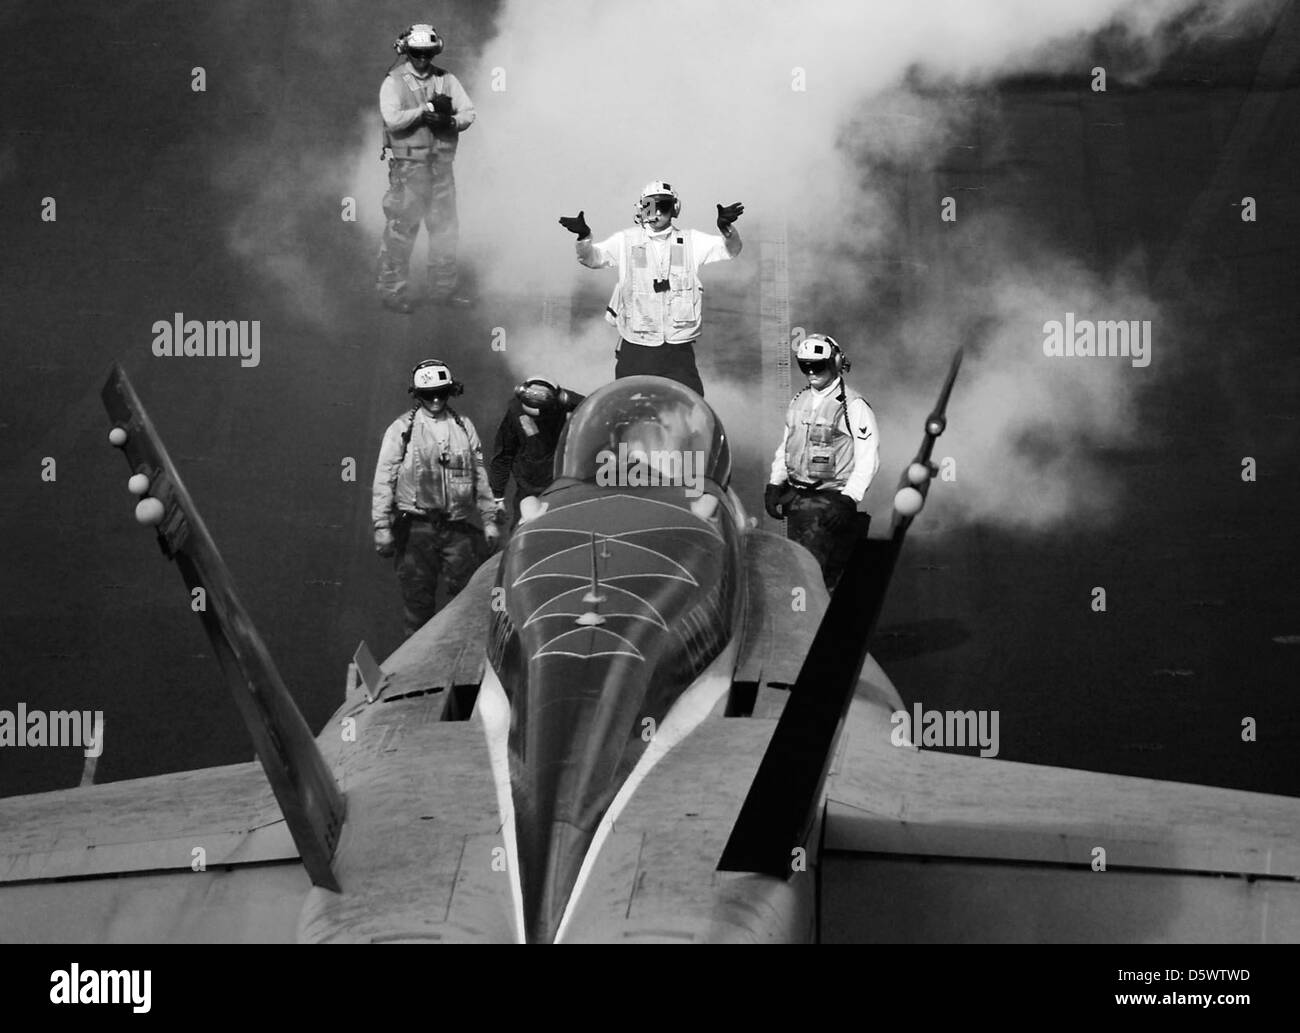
x=615, y=604
x=553, y=881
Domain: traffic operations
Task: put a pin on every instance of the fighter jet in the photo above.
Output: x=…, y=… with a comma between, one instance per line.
x=644, y=721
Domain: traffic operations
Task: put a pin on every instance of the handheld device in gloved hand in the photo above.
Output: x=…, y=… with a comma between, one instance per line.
x=436, y=119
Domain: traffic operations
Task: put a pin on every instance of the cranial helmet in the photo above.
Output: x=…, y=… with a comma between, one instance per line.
x=423, y=38
x=537, y=395
x=650, y=193
x=433, y=376
x=817, y=348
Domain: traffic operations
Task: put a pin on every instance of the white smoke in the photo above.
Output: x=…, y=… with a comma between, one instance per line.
x=809, y=114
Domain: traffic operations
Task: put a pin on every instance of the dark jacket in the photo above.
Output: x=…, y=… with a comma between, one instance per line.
x=525, y=447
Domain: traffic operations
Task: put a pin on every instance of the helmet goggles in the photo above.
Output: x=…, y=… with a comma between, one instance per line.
x=652, y=207
x=432, y=394
x=816, y=353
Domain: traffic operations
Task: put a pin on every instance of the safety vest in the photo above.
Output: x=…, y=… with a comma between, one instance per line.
x=419, y=140
x=651, y=317
x=437, y=471
x=819, y=443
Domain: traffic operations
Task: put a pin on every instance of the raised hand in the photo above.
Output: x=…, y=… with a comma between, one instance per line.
x=576, y=224
x=729, y=214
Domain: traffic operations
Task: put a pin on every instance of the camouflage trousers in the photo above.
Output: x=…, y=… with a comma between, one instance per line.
x=419, y=191
x=831, y=548
x=451, y=549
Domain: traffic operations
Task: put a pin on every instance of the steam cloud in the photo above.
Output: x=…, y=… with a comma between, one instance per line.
x=582, y=101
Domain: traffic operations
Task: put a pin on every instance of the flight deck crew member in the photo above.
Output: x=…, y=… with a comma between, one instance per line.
x=658, y=302
x=526, y=440
x=428, y=482
x=425, y=109
x=827, y=457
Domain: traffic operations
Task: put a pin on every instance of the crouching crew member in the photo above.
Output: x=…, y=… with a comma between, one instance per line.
x=658, y=302
x=826, y=460
x=526, y=440
x=428, y=482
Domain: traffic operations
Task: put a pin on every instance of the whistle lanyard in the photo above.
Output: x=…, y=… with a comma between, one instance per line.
x=662, y=266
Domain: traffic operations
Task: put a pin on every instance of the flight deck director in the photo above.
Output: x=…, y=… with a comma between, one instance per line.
x=657, y=304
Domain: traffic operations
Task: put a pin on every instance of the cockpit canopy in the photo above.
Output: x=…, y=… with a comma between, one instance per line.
x=646, y=415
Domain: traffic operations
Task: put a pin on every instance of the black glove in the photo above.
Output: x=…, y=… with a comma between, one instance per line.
x=841, y=511
x=569, y=400
x=775, y=499
x=729, y=214
x=438, y=119
x=576, y=224
x=441, y=103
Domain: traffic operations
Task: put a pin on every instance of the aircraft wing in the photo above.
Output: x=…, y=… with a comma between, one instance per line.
x=117, y=862
x=419, y=858
x=657, y=877
x=196, y=856
x=782, y=611
x=448, y=659
x=922, y=846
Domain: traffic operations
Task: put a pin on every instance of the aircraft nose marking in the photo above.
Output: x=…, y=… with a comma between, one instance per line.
x=558, y=606
x=595, y=637
x=573, y=561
